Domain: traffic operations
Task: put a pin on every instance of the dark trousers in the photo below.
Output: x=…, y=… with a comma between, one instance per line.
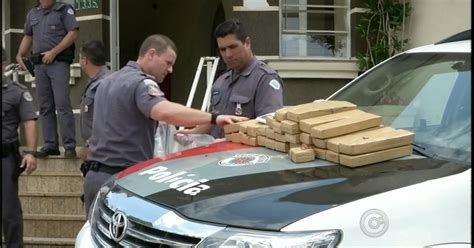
x=92, y=183
x=52, y=84
x=12, y=217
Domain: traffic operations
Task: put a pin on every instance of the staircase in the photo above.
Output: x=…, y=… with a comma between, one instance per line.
x=53, y=213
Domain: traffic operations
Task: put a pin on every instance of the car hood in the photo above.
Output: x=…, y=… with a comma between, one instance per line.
x=258, y=188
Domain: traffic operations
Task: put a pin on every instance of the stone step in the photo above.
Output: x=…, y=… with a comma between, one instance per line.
x=38, y=182
x=52, y=203
x=38, y=242
x=52, y=225
x=59, y=164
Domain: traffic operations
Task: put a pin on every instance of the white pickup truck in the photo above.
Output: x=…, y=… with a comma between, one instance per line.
x=232, y=195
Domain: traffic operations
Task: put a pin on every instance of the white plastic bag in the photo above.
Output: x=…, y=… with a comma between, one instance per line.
x=167, y=140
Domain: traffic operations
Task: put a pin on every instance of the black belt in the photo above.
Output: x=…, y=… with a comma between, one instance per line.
x=37, y=58
x=100, y=167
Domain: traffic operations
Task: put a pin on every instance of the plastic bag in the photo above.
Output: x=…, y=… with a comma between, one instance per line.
x=167, y=140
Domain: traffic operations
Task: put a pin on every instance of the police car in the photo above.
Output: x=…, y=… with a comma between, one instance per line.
x=232, y=195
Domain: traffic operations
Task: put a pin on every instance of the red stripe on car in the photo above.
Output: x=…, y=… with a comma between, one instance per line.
x=212, y=148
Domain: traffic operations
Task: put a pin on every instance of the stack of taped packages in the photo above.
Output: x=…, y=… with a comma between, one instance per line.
x=332, y=130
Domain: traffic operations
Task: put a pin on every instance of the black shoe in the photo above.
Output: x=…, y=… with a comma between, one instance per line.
x=44, y=152
x=70, y=153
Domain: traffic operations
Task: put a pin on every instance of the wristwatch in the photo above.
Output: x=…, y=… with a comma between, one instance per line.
x=30, y=152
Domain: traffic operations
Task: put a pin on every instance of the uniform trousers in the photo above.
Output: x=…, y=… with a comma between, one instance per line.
x=12, y=216
x=92, y=184
x=53, y=90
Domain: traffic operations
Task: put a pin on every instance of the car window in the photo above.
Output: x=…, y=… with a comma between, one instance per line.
x=426, y=93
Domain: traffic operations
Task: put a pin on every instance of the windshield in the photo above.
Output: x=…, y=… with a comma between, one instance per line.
x=426, y=93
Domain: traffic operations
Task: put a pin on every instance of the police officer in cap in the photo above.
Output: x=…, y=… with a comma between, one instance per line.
x=249, y=88
x=17, y=106
x=128, y=105
x=51, y=29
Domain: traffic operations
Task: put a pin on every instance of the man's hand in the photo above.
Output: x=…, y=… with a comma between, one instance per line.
x=223, y=120
x=220, y=140
x=183, y=139
x=19, y=60
x=30, y=162
x=48, y=57
x=83, y=152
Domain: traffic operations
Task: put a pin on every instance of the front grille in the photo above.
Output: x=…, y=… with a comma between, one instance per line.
x=137, y=234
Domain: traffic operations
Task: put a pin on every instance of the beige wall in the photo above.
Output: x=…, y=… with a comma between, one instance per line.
x=433, y=20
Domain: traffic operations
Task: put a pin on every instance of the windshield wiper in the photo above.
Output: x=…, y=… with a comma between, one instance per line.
x=423, y=151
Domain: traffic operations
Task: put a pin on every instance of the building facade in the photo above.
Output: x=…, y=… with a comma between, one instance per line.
x=311, y=43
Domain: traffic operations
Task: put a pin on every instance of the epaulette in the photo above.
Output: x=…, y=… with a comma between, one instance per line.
x=58, y=6
x=266, y=68
x=20, y=85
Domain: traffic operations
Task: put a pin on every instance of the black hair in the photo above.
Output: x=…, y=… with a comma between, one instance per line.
x=94, y=50
x=159, y=42
x=232, y=26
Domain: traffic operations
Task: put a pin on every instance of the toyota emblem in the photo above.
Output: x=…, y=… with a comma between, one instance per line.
x=118, y=226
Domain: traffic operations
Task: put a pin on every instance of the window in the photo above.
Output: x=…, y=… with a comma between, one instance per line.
x=315, y=28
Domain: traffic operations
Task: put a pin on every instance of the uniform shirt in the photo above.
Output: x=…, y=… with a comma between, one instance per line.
x=256, y=91
x=49, y=26
x=87, y=102
x=122, y=131
x=17, y=106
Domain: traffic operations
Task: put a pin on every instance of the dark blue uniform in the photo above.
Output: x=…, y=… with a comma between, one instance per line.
x=17, y=106
x=255, y=91
x=48, y=27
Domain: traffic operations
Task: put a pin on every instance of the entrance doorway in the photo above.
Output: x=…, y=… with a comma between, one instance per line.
x=190, y=24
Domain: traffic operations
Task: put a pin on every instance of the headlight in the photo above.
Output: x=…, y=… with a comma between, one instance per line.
x=106, y=187
x=239, y=238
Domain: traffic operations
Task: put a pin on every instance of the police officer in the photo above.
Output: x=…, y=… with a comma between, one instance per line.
x=128, y=104
x=92, y=61
x=249, y=88
x=17, y=106
x=51, y=28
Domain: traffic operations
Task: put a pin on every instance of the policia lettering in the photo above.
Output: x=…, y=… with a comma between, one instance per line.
x=178, y=181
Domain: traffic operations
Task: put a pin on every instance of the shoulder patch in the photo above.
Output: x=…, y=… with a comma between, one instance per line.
x=27, y=96
x=275, y=84
x=70, y=11
x=149, y=82
x=153, y=88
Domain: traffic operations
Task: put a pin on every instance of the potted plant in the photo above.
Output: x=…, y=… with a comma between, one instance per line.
x=382, y=25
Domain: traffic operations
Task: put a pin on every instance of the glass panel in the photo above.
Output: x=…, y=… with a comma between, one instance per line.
x=316, y=2
x=314, y=45
x=316, y=19
x=426, y=93
x=311, y=30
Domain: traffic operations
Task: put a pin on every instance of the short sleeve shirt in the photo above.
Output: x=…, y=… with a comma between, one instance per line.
x=87, y=102
x=255, y=91
x=48, y=27
x=123, y=131
x=17, y=107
